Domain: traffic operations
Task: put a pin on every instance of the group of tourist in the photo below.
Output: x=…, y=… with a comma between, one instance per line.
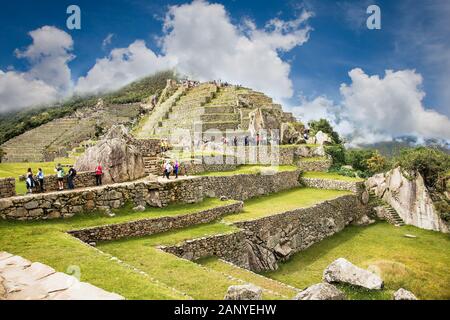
x=38, y=182
x=164, y=145
x=171, y=167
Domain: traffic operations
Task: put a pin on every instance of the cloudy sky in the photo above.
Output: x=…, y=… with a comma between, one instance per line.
x=317, y=57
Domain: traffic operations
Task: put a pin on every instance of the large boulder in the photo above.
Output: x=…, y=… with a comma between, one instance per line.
x=408, y=195
x=343, y=271
x=321, y=291
x=291, y=133
x=323, y=138
x=120, y=158
x=244, y=292
x=403, y=294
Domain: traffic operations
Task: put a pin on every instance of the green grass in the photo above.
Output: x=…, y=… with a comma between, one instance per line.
x=330, y=176
x=249, y=169
x=48, y=242
x=219, y=265
x=416, y=264
x=14, y=170
x=283, y=201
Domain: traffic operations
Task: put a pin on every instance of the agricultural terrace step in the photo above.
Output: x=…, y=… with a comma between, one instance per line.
x=181, y=274
x=228, y=269
x=163, y=223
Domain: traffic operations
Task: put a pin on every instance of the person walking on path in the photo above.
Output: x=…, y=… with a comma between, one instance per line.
x=176, y=166
x=70, y=177
x=40, y=178
x=168, y=169
x=98, y=174
x=30, y=181
x=60, y=176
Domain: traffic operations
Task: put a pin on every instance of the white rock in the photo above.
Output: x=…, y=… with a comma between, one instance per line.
x=244, y=292
x=139, y=208
x=343, y=271
x=409, y=197
x=403, y=294
x=323, y=138
x=321, y=291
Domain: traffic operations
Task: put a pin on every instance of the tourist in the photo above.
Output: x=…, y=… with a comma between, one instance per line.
x=70, y=177
x=98, y=174
x=40, y=178
x=30, y=181
x=246, y=141
x=168, y=169
x=176, y=166
x=60, y=176
x=235, y=141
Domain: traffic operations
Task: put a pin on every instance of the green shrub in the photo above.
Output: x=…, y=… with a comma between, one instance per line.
x=443, y=207
x=431, y=163
x=337, y=154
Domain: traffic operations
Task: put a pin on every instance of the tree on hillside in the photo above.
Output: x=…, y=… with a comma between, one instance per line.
x=324, y=126
x=2, y=154
x=432, y=164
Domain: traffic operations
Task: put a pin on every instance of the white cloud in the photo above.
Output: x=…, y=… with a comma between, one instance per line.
x=200, y=41
x=121, y=67
x=107, y=41
x=392, y=104
x=17, y=92
x=206, y=45
x=49, y=77
x=377, y=109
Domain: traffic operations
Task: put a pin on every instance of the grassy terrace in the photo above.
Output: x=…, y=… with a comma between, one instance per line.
x=48, y=242
x=417, y=264
x=283, y=201
x=14, y=170
x=330, y=176
x=249, y=169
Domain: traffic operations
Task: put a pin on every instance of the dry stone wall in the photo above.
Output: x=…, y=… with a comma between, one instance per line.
x=68, y=203
x=262, y=243
x=64, y=204
x=7, y=187
x=246, y=186
x=316, y=165
x=81, y=180
x=353, y=186
x=147, y=227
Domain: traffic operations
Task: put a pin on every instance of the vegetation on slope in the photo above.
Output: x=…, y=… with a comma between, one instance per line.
x=15, y=123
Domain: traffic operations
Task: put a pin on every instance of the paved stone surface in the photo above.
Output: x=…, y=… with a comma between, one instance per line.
x=22, y=280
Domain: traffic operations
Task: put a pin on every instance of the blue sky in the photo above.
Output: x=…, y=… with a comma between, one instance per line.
x=414, y=36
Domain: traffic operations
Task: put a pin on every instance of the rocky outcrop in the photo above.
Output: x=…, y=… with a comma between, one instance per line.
x=22, y=280
x=343, y=271
x=321, y=291
x=291, y=133
x=408, y=195
x=320, y=138
x=121, y=160
x=403, y=294
x=244, y=292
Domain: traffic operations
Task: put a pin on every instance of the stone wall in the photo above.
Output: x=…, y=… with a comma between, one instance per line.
x=147, y=227
x=246, y=186
x=81, y=180
x=7, y=187
x=316, y=165
x=193, y=167
x=68, y=203
x=353, y=186
x=148, y=147
x=264, y=242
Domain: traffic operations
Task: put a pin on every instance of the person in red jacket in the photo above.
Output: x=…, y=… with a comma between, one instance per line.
x=98, y=174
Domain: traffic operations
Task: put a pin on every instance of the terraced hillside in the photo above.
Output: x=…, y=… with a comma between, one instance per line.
x=56, y=138
x=209, y=106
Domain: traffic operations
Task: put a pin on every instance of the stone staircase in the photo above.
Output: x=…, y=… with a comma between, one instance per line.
x=160, y=112
x=392, y=215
